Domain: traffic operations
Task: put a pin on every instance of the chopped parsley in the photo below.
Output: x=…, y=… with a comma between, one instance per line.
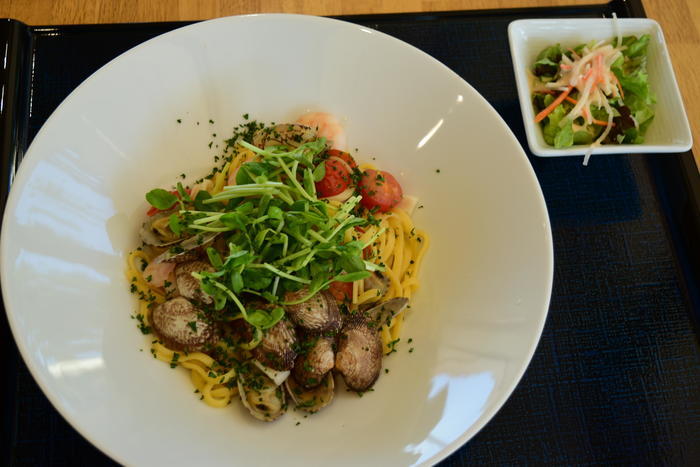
x=392, y=346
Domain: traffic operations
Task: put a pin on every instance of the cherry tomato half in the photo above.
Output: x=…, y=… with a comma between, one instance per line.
x=336, y=180
x=342, y=291
x=342, y=155
x=379, y=190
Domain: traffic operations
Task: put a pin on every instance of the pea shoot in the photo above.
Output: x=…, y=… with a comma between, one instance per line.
x=278, y=235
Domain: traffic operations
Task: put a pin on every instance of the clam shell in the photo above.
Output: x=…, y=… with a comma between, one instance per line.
x=278, y=377
x=311, y=400
x=151, y=236
x=319, y=359
x=178, y=325
x=359, y=356
x=381, y=314
x=188, y=249
x=260, y=395
x=188, y=286
x=288, y=134
x=276, y=350
x=318, y=314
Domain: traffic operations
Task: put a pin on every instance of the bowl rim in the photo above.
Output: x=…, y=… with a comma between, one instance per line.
x=518, y=49
x=27, y=166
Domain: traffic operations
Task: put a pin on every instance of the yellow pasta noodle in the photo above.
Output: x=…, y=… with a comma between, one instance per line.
x=214, y=387
x=399, y=248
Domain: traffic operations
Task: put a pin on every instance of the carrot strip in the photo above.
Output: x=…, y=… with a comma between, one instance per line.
x=602, y=123
x=599, y=72
x=585, y=111
x=619, y=86
x=540, y=116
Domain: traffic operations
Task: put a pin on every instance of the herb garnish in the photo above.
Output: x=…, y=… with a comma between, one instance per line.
x=279, y=236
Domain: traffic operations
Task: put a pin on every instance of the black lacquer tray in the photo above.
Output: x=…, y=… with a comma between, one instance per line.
x=616, y=376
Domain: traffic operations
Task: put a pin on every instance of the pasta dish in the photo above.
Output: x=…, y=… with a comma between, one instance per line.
x=289, y=263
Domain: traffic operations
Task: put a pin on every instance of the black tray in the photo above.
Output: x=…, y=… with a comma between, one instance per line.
x=616, y=377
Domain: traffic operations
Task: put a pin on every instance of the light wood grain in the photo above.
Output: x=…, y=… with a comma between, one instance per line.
x=680, y=20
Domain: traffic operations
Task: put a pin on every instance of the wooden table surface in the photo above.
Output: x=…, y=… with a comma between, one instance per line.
x=680, y=20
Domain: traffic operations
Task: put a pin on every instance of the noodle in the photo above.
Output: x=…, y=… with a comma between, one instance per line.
x=212, y=386
x=400, y=248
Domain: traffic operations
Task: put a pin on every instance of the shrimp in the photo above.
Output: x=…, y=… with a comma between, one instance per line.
x=205, y=185
x=327, y=126
x=159, y=273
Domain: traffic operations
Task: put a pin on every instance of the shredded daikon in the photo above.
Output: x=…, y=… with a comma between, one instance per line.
x=591, y=75
x=616, y=27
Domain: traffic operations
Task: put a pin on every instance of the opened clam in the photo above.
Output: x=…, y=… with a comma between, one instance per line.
x=155, y=230
x=311, y=399
x=288, y=134
x=264, y=399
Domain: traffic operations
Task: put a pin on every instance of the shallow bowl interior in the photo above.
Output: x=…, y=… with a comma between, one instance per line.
x=78, y=199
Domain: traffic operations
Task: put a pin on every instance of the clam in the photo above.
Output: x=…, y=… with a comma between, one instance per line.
x=188, y=286
x=318, y=314
x=311, y=366
x=312, y=400
x=359, y=356
x=156, y=231
x=187, y=250
x=260, y=395
x=382, y=314
x=179, y=325
x=278, y=377
x=377, y=281
x=288, y=134
x=276, y=349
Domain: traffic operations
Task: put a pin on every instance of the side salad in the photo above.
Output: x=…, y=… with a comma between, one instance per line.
x=594, y=93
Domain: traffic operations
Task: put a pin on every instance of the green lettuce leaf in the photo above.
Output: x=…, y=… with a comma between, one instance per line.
x=637, y=83
x=565, y=137
x=546, y=66
x=583, y=137
x=552, y=130
x=635, y=47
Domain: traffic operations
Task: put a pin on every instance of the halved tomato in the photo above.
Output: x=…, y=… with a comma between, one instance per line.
x=342, y=155
x=337, y=178
x=379, y=190
x=342, y=291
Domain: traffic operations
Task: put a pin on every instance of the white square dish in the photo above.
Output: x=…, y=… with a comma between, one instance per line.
x=668, y=133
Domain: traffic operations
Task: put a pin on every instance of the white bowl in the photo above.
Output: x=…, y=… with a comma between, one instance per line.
x=669, y=132
x=77, y=201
